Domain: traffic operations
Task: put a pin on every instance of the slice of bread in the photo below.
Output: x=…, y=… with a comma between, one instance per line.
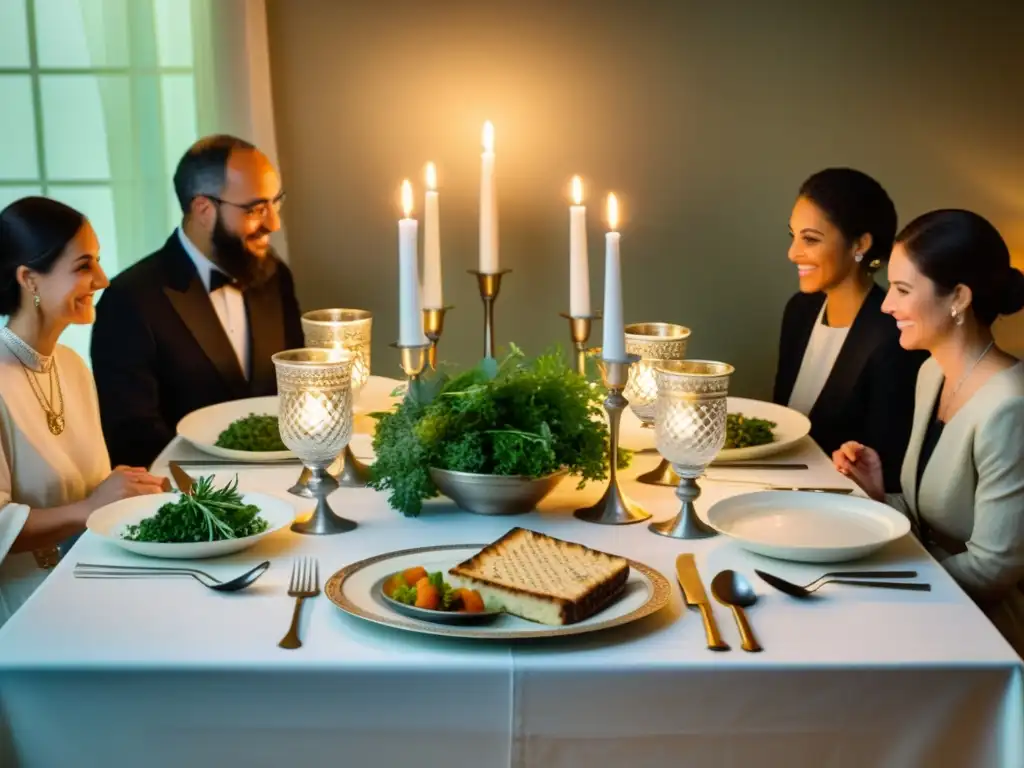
x=543, y=579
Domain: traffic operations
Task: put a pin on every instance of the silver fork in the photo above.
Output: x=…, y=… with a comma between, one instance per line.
x=305, y=583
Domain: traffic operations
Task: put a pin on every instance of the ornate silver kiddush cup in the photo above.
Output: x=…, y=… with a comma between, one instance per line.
x=349, y=329
x=689, y=427
x=315, y=418
x=614, y=508
x=654, y=343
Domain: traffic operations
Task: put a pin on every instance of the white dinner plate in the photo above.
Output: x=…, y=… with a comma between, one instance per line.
x=201, y=428
x=807, y=527
x=790, y=428
x=356, y=589
x=109, y=523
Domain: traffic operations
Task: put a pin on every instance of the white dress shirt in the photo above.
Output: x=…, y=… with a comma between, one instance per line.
x=820, y=356
x=228, y=303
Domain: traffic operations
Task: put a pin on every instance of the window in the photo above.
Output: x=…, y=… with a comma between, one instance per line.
x=99, y=102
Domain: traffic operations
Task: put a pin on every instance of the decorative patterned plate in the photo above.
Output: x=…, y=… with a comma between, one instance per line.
x=356, y=589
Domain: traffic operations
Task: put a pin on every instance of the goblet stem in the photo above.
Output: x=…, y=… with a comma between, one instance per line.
x=663, y=474
x=319, y=485
x=354, y=474
x=686, y=524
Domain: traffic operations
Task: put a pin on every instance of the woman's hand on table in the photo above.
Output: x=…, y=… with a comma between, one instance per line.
x=862, y=465
x=124, y=483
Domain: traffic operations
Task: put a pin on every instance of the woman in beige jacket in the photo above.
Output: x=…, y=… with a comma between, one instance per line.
x=54, y=469
x=963, y=473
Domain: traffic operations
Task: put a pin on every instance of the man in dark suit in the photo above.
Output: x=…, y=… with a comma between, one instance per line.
x=196, y=322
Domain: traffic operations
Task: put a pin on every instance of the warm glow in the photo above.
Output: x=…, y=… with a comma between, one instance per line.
x=407, y=198
x=613, y=211
x=488, y=137
x=577, y=190
x=431, y=176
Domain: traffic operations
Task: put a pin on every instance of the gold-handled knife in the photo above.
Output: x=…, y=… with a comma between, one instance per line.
x=693, y=592
x=181, y=478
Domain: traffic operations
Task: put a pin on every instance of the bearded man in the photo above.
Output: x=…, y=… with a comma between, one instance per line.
x=196, y=323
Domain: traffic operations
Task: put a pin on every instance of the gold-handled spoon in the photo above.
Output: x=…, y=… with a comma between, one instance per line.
x=733, y=590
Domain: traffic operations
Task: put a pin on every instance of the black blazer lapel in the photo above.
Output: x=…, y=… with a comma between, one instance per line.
x=266, y=333
x=191, y=301
x=868, y=330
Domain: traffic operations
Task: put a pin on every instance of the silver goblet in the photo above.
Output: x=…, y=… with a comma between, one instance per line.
x=315, y=418
x=349, y=329
x=689, y=427
x=653, y=343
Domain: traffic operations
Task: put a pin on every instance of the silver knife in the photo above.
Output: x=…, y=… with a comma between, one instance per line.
x=693, y=592
x=756, y=465
x=181, y=478
x=777, y=487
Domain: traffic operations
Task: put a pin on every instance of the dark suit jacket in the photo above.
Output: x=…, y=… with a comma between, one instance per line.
x=869, y=395
x=160, y=352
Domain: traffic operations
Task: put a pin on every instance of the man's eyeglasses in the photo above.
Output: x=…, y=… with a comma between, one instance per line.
x=256, y=209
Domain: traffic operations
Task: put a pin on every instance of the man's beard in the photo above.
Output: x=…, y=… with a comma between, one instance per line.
x=239, y=262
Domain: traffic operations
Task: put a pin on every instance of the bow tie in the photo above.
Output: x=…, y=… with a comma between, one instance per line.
x=218, y=280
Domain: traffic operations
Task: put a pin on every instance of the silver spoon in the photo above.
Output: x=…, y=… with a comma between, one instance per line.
x=732, y=589
x=97, y=571
x=795, y=590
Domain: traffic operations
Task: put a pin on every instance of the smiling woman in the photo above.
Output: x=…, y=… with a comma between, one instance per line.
x=54, y=470
x=840, y=362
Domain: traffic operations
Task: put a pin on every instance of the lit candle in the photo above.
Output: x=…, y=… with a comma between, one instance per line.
x=579, y=266
x=432, y=294
x=488, y=206
x=410, y=316
x=614, y=343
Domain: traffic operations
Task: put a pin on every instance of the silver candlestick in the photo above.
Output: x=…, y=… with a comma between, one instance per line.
x=614, y=508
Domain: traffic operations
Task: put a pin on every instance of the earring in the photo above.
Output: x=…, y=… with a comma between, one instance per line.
x=36, y=300
x=859, y=257
x=957, y=317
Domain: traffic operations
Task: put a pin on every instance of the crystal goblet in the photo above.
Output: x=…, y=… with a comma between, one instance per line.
x=315, y=418
x=653, y=343
x=349, y=329
x=689, y=428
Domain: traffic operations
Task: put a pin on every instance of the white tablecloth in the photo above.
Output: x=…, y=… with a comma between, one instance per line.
x=165, y=673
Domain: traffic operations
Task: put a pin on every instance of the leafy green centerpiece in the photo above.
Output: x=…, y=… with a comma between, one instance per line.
x=520, y=417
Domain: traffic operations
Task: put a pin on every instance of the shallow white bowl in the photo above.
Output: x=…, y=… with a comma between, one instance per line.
x=109, y=522
x=808, y=527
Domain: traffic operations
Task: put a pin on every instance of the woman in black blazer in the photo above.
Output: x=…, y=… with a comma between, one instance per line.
x=840, y=361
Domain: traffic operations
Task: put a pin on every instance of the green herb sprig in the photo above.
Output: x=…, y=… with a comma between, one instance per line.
x=207, y=514
x=516, y=417
x=255, y=432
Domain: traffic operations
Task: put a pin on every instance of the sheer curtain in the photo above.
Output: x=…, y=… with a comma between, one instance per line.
x=103, y=96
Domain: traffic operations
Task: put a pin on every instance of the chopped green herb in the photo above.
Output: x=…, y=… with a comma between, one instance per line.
x=255, y=432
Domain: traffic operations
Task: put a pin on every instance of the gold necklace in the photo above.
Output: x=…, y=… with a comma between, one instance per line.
x=54, y=418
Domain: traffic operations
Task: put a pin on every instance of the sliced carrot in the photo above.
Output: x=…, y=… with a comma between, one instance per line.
x=471, y=601
x=413, y=575
x=427, y=595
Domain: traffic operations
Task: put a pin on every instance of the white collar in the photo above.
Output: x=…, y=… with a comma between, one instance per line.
x=204, y=266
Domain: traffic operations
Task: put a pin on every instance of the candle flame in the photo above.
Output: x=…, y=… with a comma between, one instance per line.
x=577, y=190
x=431, y=176
x=613, y=211
x=407, y=198
x=488, y=138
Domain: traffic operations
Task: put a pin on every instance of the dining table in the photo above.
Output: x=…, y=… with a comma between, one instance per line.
x=165, y=673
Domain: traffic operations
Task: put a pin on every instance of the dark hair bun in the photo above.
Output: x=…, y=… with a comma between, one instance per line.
x=1013, y=293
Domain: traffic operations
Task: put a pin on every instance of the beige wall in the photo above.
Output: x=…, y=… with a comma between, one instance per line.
x=704, y=116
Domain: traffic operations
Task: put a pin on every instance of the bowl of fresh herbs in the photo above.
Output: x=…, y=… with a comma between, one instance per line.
x=208, y=522
x=499, y=431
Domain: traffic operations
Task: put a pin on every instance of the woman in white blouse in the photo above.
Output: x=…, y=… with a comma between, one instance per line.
x=54, y=468
x=963, y=474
